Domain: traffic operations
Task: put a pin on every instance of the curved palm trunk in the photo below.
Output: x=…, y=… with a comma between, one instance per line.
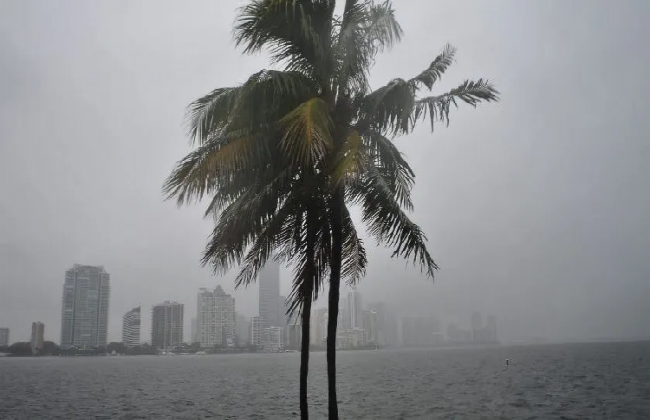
x=304, y=356
x=333, y=301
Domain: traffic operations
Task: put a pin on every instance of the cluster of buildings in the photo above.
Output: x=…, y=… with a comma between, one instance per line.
x=217, y=324
x=36, y=341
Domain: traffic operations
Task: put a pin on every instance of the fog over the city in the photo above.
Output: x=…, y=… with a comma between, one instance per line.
x=537, y=208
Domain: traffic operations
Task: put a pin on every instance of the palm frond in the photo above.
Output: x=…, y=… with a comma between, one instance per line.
x=307, y=131
x=389, y=108
x=388, y=223
x=437, y=67
x=437, y=107
x=294, y=32
x=365, y=30
x=391, y=164
x=354, y=254
x=254, y=105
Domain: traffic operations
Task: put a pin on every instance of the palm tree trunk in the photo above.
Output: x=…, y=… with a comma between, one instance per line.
x=307, y=296
x=333, y=301
x=304, y=356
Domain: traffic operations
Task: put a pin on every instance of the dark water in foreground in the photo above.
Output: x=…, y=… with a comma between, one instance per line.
x=578, y=381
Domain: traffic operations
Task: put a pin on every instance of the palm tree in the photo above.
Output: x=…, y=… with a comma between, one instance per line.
x=314, y=126
x=266, y=189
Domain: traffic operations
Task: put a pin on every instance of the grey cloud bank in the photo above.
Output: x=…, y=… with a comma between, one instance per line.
x=536, y=208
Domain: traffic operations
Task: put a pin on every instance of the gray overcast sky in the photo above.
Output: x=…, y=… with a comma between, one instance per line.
x=537, y=208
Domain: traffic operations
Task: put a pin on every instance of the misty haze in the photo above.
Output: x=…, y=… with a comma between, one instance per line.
x=532, y=196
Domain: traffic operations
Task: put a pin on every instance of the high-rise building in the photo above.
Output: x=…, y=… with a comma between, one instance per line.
x=352, y=313
x=4, y=337
x=371, y=326
x=256, y=331
x=131, y=328
x=269, y=303
x=194, y=330
x=318, y=327
x=38, y=333
x=242, y=330
x=272, y=340
x=84, y=314
x=293, y=334
x=387, y=324
x=215, y=318
x=167, y=325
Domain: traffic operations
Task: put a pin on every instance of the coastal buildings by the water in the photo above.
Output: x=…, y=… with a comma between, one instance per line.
x=270, y=305
x=131, y=322
x=84, y=313
x=38, y=334
x=215, y=318
x=4, y=337
x=167, y=325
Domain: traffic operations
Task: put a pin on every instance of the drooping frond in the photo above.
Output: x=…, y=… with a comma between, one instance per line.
x=390, y=162
x=354, y=254
x=307, y=131
x=197, y=173
x=437, y=107
x=438, y=66
x=389, y=108
x=259, y=102
x=295, y=32
x=388, y=223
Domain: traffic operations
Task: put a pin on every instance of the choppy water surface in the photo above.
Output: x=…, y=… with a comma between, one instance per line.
x=579, y=381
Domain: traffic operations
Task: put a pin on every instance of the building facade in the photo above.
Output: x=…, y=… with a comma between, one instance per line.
x=256, y=331
x=215, y=318
x=272, y=341
x=167, y=325
x=84, y=314
x=131, y=322
x=4, y=337
x=242, y=329
x=270, y=305
x=38, y=336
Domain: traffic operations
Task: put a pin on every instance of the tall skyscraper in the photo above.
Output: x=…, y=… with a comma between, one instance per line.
x=270, y=303
x=167, y=325
x=215, y=318
x=38, y=333
x=84, y=314
x=4, y=337
x=131, y=328
x=352, y=313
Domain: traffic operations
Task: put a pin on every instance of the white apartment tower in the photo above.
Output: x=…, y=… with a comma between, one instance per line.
x=84, y=314
x=215, y=318
x=131, y=328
